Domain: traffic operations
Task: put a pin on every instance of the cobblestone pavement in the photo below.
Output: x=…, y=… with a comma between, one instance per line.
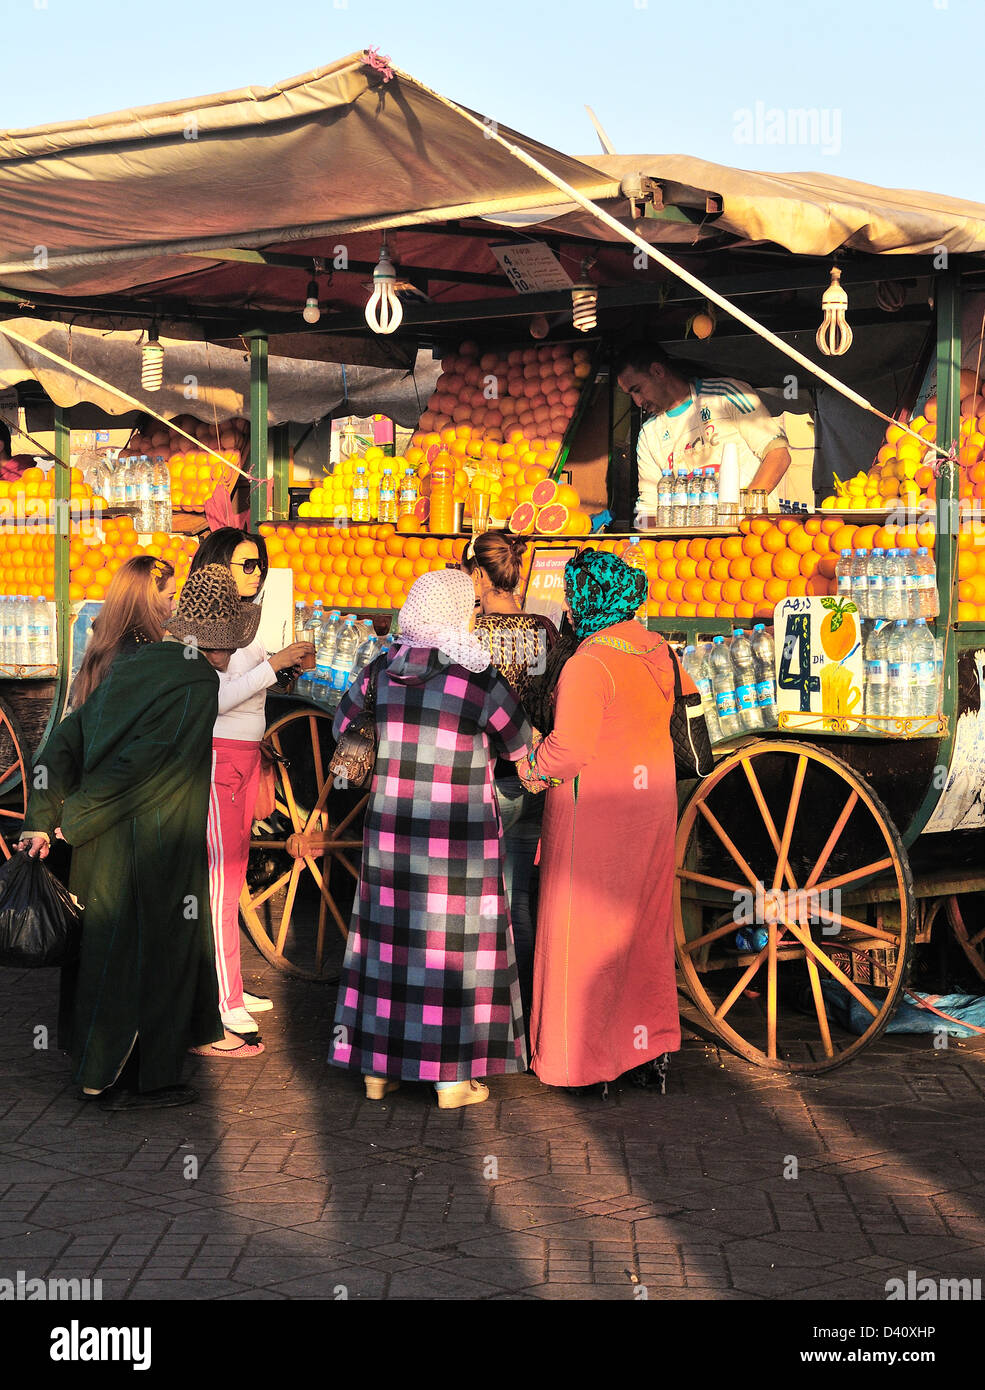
x=284, y=1183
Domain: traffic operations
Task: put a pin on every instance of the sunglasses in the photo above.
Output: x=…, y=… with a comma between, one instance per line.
x=247, y=566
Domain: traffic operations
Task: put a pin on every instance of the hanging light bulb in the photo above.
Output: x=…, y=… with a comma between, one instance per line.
x=311, y=312
x=151, y=363
x=584, y=303
x=539, y=326
x=384, y=312
x=834, y=337
x=348, y=439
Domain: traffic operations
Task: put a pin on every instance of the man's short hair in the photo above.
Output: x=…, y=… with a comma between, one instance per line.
x=640, y=357
x=4, y=438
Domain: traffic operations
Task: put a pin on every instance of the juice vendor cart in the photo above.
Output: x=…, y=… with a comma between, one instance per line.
x=833, y=810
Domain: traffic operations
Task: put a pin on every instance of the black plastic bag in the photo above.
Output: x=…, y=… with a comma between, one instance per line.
x=40, y=923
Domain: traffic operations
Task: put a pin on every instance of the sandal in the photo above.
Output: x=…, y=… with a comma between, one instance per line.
x=244, y=1049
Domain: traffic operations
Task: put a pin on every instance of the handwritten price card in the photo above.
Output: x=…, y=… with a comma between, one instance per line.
x=818, y=656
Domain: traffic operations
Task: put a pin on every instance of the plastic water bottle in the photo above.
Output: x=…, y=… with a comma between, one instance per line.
x=923, y=655
x=633, y=556
x=310, y=631
x=678, y=502
x=365, y=653
x=876, y=585
x=22, y=641
x=407, y=498
x=387, y=500
x=345, y=650
x=900, y=670
x=744, y=672
x=300, y=618
x=143, y=479
x=724, y=688
x=8, y=631
x=911, y=584
x=709, y=498
x=843, y=573
x=160, y=505
x=763, y=652
x=359, y=510
x=860, y=582
x=929, y=605
x=130, y=483
x=697, y=668
x=694, y=483
x=665, y=492
x=895, y=599
x=876, y=669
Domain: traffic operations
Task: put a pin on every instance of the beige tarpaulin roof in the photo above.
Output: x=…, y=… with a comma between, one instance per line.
x=202, y=379
x=810, y=214
x=338, y=149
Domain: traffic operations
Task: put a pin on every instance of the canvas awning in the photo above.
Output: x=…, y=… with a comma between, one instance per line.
x=207, y=381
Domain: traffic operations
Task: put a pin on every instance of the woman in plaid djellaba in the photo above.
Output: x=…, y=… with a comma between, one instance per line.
x=429, y=988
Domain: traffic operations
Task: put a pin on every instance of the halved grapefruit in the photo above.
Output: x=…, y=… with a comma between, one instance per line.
x=523, y=518
x=422, y=510
x=544, y=492
x=552, y=520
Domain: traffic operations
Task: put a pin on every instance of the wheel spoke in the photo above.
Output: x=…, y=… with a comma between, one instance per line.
x=316, y=875
x=739, y=985
x=866, y=871
x=798, y=784
x=320, y=941
x=854, y=924
x=316, y=752
x=832, y=840
x=804, y=937
x=707, y=937
x=818, y=997
x=728, y=844
x=729, y=887
x=764, y=811
x=271, y=888
x=978, y=936
x=292, y=806
x=285, y=920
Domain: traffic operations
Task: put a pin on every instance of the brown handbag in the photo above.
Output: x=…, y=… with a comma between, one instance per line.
x=267, y=786
x=355, y=753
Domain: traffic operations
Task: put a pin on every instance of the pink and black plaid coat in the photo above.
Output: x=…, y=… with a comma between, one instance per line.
x=429, y=987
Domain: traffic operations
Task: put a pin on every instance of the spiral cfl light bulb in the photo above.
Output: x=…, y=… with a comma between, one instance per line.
x=584, y=303
x=834, y=337
x=384, y=312
x=151, y=364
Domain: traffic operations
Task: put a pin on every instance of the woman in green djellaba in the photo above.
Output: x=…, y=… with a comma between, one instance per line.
x=126, y=784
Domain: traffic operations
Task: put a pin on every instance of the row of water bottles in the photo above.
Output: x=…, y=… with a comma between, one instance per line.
x=27, y=633
x=736, y=682
x=889, y=583
x=343, y=646
x=140, y=484
x=902, y=669
x=687, y=499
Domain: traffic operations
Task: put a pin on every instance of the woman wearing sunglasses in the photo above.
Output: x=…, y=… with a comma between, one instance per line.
x=243, y=687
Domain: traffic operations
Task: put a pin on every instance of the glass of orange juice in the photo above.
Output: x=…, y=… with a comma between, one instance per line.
x=479, y=503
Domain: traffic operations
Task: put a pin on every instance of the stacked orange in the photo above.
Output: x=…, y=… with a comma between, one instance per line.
x=356, y=566
x=195, y=476
x=505, y=413
x=746, y=576
x=95, y=556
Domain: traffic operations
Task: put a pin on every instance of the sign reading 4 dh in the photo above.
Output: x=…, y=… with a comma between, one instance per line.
x=818, y=657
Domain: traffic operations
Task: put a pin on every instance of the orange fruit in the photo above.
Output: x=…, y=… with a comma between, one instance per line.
x=774, y=590
x=774, y=540
x=786, y=564
x=762, y=566
x=732, y=547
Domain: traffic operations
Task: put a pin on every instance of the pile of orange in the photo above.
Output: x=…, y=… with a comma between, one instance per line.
x=356, y=566
x=194, y=478
x=94, y=560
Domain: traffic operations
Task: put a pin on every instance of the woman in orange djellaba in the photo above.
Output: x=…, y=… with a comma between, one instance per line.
x=605, y=994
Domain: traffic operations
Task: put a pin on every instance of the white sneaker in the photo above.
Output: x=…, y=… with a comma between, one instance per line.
x=257, y=1003
x=238, y=1021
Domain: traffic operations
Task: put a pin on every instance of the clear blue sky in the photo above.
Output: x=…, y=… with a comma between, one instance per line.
x=894, y=84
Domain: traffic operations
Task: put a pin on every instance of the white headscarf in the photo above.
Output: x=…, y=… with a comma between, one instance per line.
x=436, y=613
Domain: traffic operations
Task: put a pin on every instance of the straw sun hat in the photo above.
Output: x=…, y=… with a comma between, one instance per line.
x=212, y=614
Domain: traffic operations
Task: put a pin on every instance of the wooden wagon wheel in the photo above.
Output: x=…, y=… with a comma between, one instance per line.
x=15, y=765
x=288, y=897
x=966, y=918
x=784, y=836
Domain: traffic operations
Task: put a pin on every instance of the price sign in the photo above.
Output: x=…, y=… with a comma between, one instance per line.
x=531, y=266
x=544, y=593
x=818, y=652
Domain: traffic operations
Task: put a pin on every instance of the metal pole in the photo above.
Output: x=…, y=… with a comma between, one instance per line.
x=259, y=460
x=281, y=463
x=62, y=498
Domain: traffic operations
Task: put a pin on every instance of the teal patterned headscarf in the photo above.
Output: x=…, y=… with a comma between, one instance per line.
x=601, y=590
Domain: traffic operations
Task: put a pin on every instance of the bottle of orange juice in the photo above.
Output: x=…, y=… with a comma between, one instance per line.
x=442, y=514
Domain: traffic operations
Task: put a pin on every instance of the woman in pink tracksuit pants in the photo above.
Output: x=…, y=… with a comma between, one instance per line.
x=236, y=739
